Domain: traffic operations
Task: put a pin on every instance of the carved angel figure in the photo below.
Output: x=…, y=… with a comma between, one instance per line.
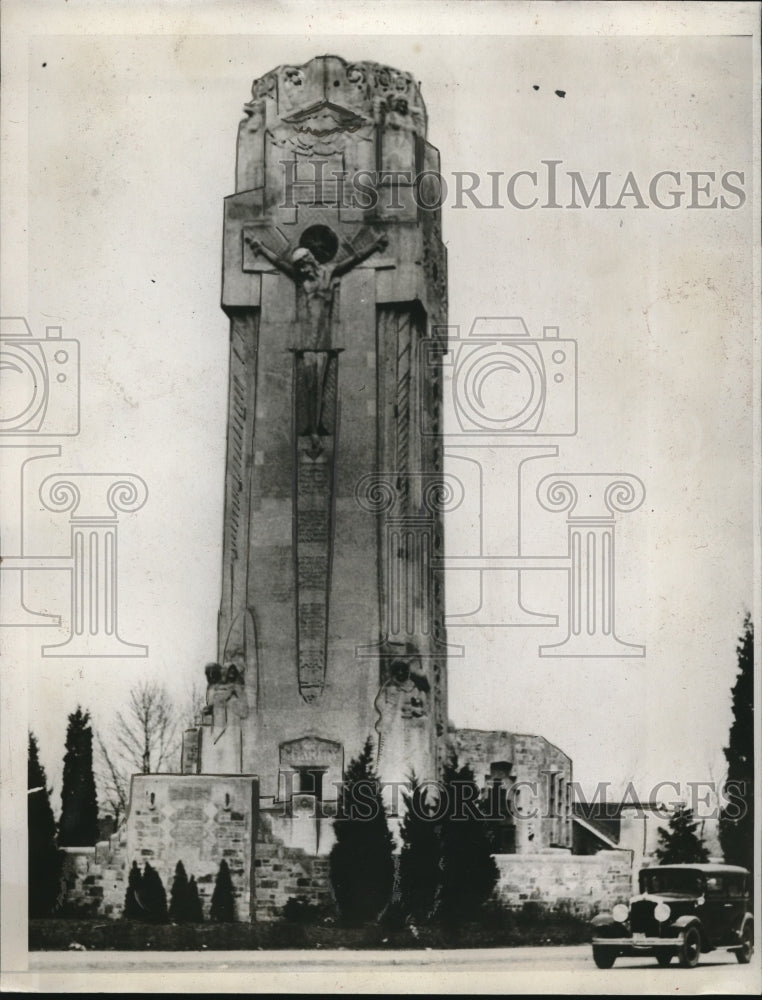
x=225, y=697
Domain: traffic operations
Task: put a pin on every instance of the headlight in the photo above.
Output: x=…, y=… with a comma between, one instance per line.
x=662, y=912
x=620, y=912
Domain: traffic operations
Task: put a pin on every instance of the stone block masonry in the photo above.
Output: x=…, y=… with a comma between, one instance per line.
x=288, y=873
x=332, y=608
x=535, y=776
x=200, y=820
x=586, y=884
x=94, y=880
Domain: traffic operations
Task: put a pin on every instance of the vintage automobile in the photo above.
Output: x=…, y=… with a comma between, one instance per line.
x=681, y=910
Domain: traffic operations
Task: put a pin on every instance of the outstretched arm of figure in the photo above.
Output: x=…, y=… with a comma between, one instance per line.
x=280, y=262
x=380, y=243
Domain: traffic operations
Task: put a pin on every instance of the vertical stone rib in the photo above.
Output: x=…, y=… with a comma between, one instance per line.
x=313, y=503
x=239, y=473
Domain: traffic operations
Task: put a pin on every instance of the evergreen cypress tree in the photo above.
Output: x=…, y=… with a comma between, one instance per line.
x=223, y=903
x=178, y=897
x=680, y=843
x=419, y=864
x=44, y=881
x=153, y=897
x=468, y=870
x=195, y=910
x=78, y=826
x=362, y=859
x=737, y=816
x=132, y=908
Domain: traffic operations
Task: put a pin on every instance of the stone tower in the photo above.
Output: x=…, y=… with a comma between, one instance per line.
x=331, y=625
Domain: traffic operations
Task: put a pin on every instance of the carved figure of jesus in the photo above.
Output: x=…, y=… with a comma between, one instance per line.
x=316, y=284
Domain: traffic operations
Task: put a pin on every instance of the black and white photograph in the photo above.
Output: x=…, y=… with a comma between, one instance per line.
x=380, y=519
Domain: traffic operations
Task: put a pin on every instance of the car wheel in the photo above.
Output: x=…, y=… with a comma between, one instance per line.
x=664, y=958
x=744, y=953
x=604, y=957
x=690, y=949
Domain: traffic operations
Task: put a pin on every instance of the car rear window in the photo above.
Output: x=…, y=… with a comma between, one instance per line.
x=736, y=886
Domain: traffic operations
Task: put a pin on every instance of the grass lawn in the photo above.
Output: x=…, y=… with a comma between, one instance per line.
x=500, y=930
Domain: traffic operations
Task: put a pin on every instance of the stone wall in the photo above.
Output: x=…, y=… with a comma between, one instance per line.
x=586, y=884
x=94, y=881
x=536, y=775
x=95, y=878
x=288, y=873
x=284, y=871
x=200, y=820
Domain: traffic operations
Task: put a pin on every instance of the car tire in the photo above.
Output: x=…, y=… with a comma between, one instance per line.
x=604, y=957
x=690, y=949
x=744, y=953
x=664, y=957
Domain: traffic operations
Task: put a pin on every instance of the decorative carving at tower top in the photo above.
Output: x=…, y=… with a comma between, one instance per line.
x=328, y=95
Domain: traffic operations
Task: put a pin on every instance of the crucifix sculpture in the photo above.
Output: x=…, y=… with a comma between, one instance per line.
x=316, y=280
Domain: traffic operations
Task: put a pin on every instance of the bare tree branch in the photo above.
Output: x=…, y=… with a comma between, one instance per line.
x=145, y=738
x=113, y=784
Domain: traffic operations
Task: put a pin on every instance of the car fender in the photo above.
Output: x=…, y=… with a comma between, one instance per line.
x=748, y=918
x=603, y=920
x=690, y=920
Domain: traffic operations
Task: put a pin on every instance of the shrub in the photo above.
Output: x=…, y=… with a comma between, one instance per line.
x=468, y=870
x=132, y=908
x=152, y=896
x=223, y=903
x=362, y=859
x=44, y=882
x=299, y=911
x=178, y=897
x=78, y=825
x=420, y=857
x=195, y=910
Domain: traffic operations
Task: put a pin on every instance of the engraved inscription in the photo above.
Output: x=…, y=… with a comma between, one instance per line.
x=313, y=527
x=312, y=571
x=311, y=616
x=311, y=750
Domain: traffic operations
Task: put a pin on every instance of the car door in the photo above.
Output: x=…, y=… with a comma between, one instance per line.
x=724, y=908
x=715, y=915
x=734, y=906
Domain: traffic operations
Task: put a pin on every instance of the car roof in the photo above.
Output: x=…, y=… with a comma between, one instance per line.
x=700, y=867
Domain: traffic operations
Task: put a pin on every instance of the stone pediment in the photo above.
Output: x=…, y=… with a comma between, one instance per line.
x=325, y=119
x=352, y=91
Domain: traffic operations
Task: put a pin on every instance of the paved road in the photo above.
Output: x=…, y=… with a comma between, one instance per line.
x=558, y=970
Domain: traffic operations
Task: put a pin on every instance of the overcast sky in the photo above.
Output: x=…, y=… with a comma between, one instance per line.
x=131, y=151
